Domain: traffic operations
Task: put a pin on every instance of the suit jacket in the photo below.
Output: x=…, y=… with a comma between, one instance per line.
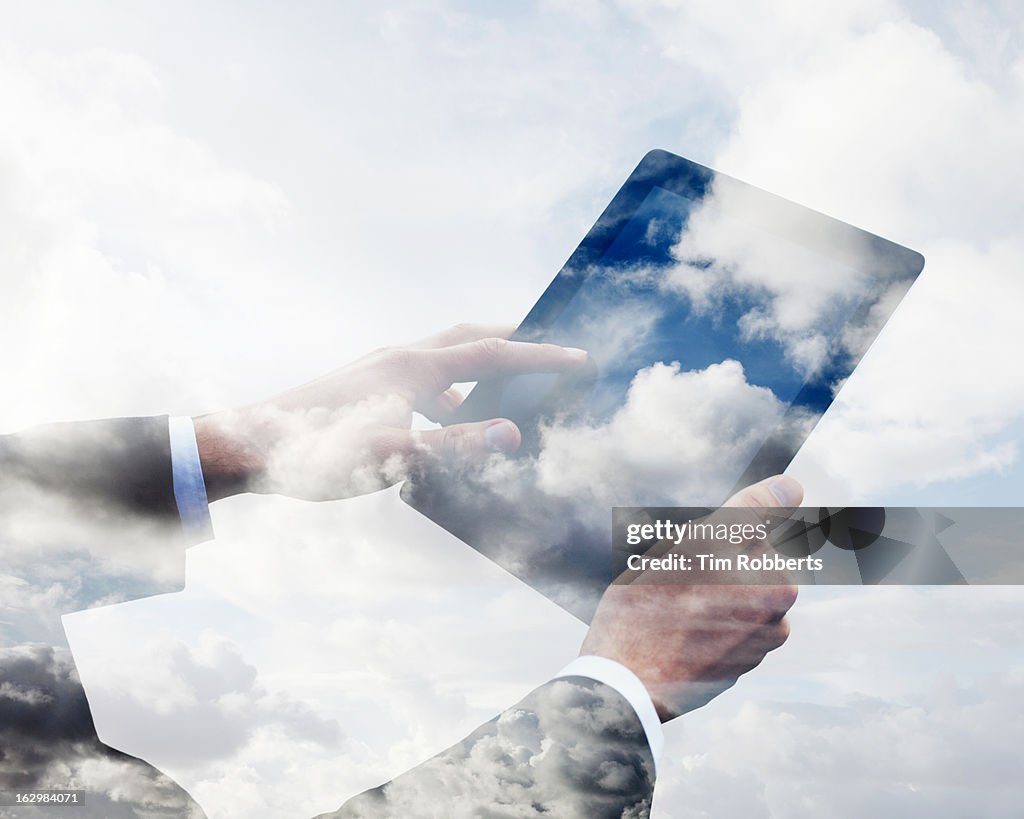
x=103, y=489
x=572, y=749
x=98, y=469
x=87, y=516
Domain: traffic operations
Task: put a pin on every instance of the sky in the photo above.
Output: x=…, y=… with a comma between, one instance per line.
x=204, y=204
x=707, y=297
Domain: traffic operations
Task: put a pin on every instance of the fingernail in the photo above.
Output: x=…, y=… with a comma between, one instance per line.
x=786, y=491
x=577, y=353
x=502, y=437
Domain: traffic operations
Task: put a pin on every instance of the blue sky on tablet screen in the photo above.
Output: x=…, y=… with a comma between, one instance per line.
x=213, y=202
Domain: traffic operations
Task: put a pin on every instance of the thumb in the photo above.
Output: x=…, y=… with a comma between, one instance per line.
x=779, y=490
x=469, y=441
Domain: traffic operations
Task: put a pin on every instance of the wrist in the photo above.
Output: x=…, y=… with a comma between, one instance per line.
x=609, y=638
x=664, y=711
x=231, y=460
x=623, y=680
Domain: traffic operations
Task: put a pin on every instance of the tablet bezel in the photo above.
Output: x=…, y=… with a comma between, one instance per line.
x=682, y=176
x=661, y=169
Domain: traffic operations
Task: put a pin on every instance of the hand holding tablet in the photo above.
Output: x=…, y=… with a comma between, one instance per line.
x=720, y=322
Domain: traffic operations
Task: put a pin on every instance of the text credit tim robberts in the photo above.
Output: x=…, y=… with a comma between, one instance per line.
x=728, y=542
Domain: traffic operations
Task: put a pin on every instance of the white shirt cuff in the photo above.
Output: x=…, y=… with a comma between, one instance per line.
x=189, y=485
x=629, y=686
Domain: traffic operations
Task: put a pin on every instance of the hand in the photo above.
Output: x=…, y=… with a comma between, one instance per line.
x=690, y=641
x=348, y=432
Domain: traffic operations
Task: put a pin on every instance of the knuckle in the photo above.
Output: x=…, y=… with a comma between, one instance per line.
x=785, y=595
x=745, y=515
x=447, y=402
x=758, y=497
x=400, y=359
x=453, y=440
x=773, y=601
x=782, y=599
x=736, y=512
x=495, y=347
x=782, y=631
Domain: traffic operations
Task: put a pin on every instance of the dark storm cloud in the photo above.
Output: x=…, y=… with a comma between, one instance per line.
x=572, y=749
x=43, y=713
x=47, y=740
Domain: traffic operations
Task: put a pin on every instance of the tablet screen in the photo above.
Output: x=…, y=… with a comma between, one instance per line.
x=720, y=322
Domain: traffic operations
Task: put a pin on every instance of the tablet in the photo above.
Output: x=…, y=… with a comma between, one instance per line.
x=720, y=322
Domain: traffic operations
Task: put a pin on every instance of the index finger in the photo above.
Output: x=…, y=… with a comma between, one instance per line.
x=489, y=357
x=463, y=333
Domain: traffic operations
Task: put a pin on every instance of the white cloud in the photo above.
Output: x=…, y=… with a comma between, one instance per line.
x=680, y=437
x=358, y=614
x=847, y=720
x=324, y=185
x=876, y=120
x=571, y=749
x=48, y=741
x=111, y=218
x=736, y=245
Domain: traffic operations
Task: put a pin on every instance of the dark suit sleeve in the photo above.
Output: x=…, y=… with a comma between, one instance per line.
x=97, y=491
x=572, y=749
x=87, y=517
x=119, y=465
